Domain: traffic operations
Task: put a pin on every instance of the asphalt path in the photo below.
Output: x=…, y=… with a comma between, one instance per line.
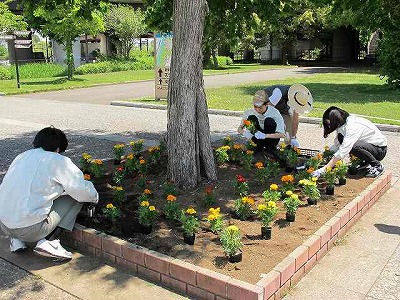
x=104, y=94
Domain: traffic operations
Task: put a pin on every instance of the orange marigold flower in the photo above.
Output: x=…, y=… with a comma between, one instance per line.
x=142, y=161
x=259, y=165
x=147, y=192
x=310, y=170
x=246, y=123
x=171, y=198
x=86, y=176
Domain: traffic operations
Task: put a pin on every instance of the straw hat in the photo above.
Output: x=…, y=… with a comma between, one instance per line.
x=259, y=98
x=300, y=99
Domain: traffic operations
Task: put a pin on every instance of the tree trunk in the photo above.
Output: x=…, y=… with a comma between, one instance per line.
x=189, y=144
x=69, y=58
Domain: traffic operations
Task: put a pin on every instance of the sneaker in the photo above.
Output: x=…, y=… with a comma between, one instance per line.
x=375, y=171
x=52, y=249
x=16, y=245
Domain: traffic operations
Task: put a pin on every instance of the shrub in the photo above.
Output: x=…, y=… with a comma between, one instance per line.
x=220, y=62
x=3, y=51
x=41, y=70
x=5, y=73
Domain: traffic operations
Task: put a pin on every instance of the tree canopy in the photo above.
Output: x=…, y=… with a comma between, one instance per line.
x=10, y=21
x=64, y=21
x=124, y=24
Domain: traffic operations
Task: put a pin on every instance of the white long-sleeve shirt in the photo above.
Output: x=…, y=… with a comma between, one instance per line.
x=357, y=129
x=34, y=180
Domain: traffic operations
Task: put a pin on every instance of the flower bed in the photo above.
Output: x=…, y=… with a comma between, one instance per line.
x=202, y=270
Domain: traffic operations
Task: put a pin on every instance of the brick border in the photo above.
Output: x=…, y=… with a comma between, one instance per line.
x=202, y=283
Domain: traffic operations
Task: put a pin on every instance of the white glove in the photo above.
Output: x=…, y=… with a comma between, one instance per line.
x=247, y=134
x=260, y=136
x=319, y=172
x=294, y=142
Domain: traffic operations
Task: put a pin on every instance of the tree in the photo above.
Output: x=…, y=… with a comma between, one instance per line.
x=189, y=145
x=9, y=21
x=382, y=15
x=64, y=21
x=125, y=24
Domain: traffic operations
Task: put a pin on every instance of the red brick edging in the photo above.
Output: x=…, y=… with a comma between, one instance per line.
x=202, y=283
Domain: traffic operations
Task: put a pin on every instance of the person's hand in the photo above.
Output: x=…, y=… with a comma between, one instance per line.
x=247, y=134
x=260, y=136
x=294, y=143
x=319, y=172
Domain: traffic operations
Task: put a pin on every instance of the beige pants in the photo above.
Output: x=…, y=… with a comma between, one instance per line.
x=63, y=214
x=288, y=127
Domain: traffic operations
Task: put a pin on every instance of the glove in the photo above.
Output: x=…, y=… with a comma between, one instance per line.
x=247, y=134
x=319, y=172
x=294, y=143
x=260, y=136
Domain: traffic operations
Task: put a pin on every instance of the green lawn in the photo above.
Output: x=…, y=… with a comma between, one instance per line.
x=358, y=93
x=9, y=87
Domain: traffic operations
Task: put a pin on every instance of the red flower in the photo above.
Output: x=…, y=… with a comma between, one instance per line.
x=240, y=178
x=121, y=168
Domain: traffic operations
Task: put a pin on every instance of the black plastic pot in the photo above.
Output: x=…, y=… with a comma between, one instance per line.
x=342, y=181
x=266, y=233
x=235, y=258
x=330, y=190
x=189, y=239
x=146, y=229
x=290, y=217
x=312, y=201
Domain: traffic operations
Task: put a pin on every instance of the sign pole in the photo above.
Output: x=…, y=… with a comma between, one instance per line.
x=16, y=65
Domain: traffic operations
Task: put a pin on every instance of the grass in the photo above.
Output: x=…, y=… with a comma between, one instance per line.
x=357, y=92
x=9, y=87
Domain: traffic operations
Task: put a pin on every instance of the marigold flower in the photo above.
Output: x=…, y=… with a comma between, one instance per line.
x=328, y=169
x=171, y=198
x=144, y=203
x=326, y=148
x=86, y=176
x=118, y=188
x=119, y=146
x=294, y=196
x=142, y=161
x=154, y=149
x=233, y=228
x=289, y=193
x=310, y=170
x=147, y=192
x=97, y=161
x=271, y=204
x=248, y=200
x=249, y=152
x=240, y=178
x=228, y=139
x=287, y=178
x=130, y=156
x=259, y=165
x=86, y=156
x=190, y=211
x=212, y=217
x=152, y=208
x=273, y=187
x=214, y=210
x=314, y=179
x=262, y=207
x=246, y=123
x=109, y=206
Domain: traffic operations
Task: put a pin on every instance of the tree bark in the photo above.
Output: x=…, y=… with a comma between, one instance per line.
x=189, y=145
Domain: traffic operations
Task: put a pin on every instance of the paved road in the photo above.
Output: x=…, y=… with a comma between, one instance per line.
x=104, y=94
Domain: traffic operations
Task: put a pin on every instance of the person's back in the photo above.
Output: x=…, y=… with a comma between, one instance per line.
x=280, y=102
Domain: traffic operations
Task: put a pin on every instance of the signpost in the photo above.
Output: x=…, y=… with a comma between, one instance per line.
x=20, y=44
x=163, y=54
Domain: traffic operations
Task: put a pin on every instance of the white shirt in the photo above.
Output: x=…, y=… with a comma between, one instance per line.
x=357, y=129
x=36, y=178
x=271, y=112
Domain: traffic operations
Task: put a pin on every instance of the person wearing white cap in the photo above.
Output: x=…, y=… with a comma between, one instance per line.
x=291, y=101
x=268, y=123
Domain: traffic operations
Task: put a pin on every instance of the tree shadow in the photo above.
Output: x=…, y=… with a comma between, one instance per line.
x=282, y=223
x=57, y=81
x=391, y=229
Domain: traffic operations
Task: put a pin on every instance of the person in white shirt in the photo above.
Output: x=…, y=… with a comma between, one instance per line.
x=357, y=136
x=41, y=193
x=269, y=125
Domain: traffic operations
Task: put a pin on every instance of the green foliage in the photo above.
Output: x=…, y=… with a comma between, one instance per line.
x=124, y=25
x=5, y=73
x=190, y=222
x=221, y=154
x=310, y=189
x=231, y=240
x=10, y=21
x=291, y=202
x=3, y=51
x=65, y=21
x=40, y=70
x=243, y=207
x=115, y=65
x=111, y=212
x=220, y=62
x=389, y=57
x=147, y=214
x=172, y=209
x=266, y=212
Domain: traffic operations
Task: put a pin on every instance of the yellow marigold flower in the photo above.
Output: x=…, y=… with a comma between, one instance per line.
x=144, y=203
x=294, y=196
x=248, y=200
x=142, y=161
x=152, y=208
x=232, y=228
x=171, y=198
x=259, y=165
x=225, y=148
x=328, y=169
x=214, y=210
x=191, y=211
x=249, y=152
x=212, y=217
x=147, y=192
x=86, y=176
x=314, y=179
x=282, y=146
x=297, y=150
x=289, y=193
x=228, y=138
x=86, y=156
x=119, y=188
x=273, y=187
x=119, y=146
x=132, y=143
x=130, y=156
x=109, y=206
x=271, y=204
x=154, y=149
x=302, y=181
x=262, y=207
x=326, y=148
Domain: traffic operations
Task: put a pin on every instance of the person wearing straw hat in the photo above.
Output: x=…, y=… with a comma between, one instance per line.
x=290, y=101
x=267, y=122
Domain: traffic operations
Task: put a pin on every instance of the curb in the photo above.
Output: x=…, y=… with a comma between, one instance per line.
x=202, y=283
x=309, y=120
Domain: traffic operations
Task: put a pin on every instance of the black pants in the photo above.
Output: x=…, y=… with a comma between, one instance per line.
x=269, y=127
x=368, y=153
